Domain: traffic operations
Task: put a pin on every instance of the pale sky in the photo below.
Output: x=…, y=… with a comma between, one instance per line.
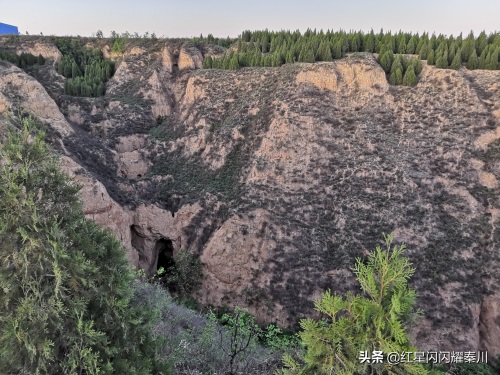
x=187, y=18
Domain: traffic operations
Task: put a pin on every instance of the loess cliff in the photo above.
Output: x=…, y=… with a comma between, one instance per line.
x=278, y=178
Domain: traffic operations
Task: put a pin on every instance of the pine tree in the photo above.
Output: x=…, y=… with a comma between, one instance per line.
x=416, y=64
x=376, y=320
x=424, y=52
x=442, y=60
x=397, y=64
x=494, y=62
x=468, y=46
x=410, y=78
x=412, y=45
x=451, y=53
x=75, y=72
x=457, y=61
x=472, y=62
x=324, y=53
x=370, y=42
x=338, y=50
x=386, y=61
x=431, y=60
x=482, y=58
x=489, y=64
x=233, y=63
x=40, y=60
x=399, y=76
x=207, y=63
x=481, y=42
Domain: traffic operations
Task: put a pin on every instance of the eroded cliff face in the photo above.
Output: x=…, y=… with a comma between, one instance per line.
x=278, y=178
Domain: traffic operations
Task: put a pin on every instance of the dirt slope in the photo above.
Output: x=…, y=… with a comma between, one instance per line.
x=280, y=177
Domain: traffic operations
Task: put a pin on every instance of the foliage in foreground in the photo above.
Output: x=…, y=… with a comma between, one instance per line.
x=66, y=296
x=197, y=343
x=375, y=321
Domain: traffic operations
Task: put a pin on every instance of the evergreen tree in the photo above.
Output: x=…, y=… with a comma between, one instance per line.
x=397, y=64
x=489, y=63
x=40, y=60
x=402, y=44
x=468, y=46
x=376, y=320
x=412, y=45
x=457, y=61
x=451, y=53
x=431, y=58
x=481, y=42
x=472, y=62
x=207, y=63
x=424, y=52
x=399, y=76
x=442, y=60
x=370, y=43
x=338, y=50
x=410, y=78
x=494, y=62
x=75, y=72
x=233, y=63
x=386, y=61
x=65, y=286
x=482, y=58
x=324, y=53
x=416, y=64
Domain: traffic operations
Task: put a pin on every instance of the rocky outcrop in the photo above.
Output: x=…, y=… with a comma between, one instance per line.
x=489, y=323
x=49, y=51
x=168, y=59
x=160, y=95
x=20, y=90
x=100, y=207
x=138, y=229
x=345, y=77
x=183, y=57
x=190, y=57
x=130, y=157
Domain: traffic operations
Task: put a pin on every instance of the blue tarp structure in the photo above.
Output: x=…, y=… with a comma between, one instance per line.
x=8, y=29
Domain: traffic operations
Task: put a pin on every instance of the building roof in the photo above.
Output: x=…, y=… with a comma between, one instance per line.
x=8, y=29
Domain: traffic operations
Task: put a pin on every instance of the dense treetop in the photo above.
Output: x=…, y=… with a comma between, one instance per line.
x=270, y=48
x=86, y=68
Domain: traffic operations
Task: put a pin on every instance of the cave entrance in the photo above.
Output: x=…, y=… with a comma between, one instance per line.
x=175, y=63
x=165, y=250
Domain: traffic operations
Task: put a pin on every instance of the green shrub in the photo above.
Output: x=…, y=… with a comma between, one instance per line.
x=375, y=321
x=186, y=275
x=65, y=286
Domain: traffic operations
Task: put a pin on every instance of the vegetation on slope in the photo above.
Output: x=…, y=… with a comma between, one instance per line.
x=69, y=304
x=66, y=302
x=23, y=60
x=269, y=48
x=87, y=71
x=376, y=321
x=358, y=328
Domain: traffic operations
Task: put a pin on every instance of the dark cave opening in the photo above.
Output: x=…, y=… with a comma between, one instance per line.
x=175, y=63
x=165, y=250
